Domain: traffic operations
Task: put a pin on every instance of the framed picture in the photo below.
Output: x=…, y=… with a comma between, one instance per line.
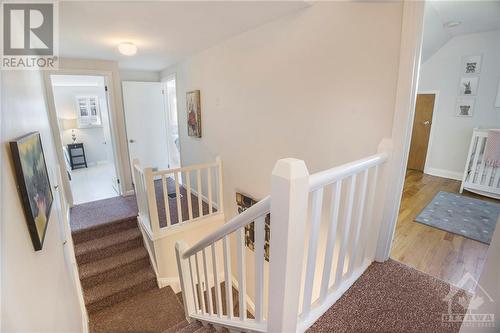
x=88, y=111
x=193, y=113
x=244, y=202
x=468, y=86
x=34, y=185
x=465, y=107
x=471, y=64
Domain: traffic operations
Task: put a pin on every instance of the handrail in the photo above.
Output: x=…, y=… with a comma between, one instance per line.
x=240, y=220
x=332, y=175
x=183, y=169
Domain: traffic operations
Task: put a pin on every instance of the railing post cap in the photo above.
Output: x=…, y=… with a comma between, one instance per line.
x=290, y=168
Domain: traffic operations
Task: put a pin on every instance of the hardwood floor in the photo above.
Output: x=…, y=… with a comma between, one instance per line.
x=439, y=253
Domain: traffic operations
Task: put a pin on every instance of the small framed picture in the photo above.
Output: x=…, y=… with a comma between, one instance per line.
x=465, y=106
x=468, y=86
x=88, y=112
x=471, y=64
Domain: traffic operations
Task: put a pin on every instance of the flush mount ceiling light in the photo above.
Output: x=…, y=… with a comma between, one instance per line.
x=452, y=24
x=127, y=48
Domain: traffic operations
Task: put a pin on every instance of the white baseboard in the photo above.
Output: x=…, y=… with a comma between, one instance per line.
x=129, y=193
x=444, y=173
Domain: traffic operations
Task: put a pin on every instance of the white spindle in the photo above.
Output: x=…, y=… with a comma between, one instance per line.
x=332, y=236
x=207, y=284
x=178, y=198
x=193, y=285
x=242, y=275
x=220, y=206
x=479, y=144
x=188, y=298
x=227, y=276
x=218, y=299
x=201, y=294
x=188, y=190
x=209, y=182
x=317, y=202
x=200, y=194
x=165, y=199
x=259, y=235
x=345, y=235
x=359, y=223
x=489, y=173
x=496, y=178
x=369, y=213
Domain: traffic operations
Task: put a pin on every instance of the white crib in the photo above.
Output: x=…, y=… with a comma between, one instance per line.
x=478, y=177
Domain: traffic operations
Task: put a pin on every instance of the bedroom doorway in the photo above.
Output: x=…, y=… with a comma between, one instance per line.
x=83, y=122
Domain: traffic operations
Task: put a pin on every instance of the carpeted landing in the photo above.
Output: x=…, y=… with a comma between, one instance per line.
x=392, y=297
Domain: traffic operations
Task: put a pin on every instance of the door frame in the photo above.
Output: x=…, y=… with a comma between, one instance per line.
x=404, y=112
x=167, y=108
x=432, y=133
x=113, y=123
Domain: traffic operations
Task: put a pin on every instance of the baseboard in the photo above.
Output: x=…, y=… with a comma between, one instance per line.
x=129, y=193
x=444, y=173
x=204, y=198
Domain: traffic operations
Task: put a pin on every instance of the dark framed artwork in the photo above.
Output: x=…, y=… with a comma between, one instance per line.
x=33, y=184
x=193, y=108
x=244, y=202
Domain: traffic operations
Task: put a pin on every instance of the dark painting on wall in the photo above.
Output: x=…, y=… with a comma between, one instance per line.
x=244, y=202
x=193, y=108
x=33, y=184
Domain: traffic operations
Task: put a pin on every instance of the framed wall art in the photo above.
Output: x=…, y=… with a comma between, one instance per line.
x=193, y=109
x=34, y=185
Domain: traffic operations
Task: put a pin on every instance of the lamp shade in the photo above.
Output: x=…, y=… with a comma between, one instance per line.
x=69, y=123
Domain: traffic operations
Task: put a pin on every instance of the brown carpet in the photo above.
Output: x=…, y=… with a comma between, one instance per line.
x=391, y=297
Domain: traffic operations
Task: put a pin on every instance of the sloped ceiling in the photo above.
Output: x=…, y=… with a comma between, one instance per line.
x=475, y=16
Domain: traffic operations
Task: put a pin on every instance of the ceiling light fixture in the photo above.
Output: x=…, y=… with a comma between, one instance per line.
x=452, y=24
x=127, y=48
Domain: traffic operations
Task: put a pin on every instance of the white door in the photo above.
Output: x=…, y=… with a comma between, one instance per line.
x=146, y=123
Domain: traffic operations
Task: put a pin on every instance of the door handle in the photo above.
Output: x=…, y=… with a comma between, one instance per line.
x=426, y=123
x=131, y=140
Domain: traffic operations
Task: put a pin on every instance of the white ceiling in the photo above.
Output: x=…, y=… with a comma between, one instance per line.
x=476, y=16
x=164, y=31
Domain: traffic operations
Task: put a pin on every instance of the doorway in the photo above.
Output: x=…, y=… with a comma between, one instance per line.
x=83, y=119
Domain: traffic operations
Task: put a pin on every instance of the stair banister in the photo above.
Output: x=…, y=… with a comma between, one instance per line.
x=231, y=226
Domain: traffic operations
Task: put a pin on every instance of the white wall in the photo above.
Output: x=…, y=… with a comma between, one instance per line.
x=37, y=291
x=315, y=85
x=450, y=135
x=92, y=138
x=142, y=76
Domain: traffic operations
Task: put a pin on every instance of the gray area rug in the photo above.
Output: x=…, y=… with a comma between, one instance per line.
x=458, y=214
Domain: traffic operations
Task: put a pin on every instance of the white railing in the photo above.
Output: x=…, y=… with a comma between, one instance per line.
x=170, y=198
x=300, y=287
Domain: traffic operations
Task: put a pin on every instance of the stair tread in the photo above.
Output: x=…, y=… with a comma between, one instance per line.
x=95, y=231
x=177, y=327
x=191, y=328
x=100, y=266
x=107, y=241
x=103, y=290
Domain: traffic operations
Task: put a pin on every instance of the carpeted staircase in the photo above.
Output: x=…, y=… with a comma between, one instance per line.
x=119, y=285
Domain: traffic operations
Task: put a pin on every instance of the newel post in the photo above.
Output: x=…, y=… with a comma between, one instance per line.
x=151, y=195
x=289, y=196
x=184, y=279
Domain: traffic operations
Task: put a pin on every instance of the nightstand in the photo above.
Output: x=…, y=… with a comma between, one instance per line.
x=77, y=156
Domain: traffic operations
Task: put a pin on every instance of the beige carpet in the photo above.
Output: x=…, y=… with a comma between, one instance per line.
x=391, y=297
